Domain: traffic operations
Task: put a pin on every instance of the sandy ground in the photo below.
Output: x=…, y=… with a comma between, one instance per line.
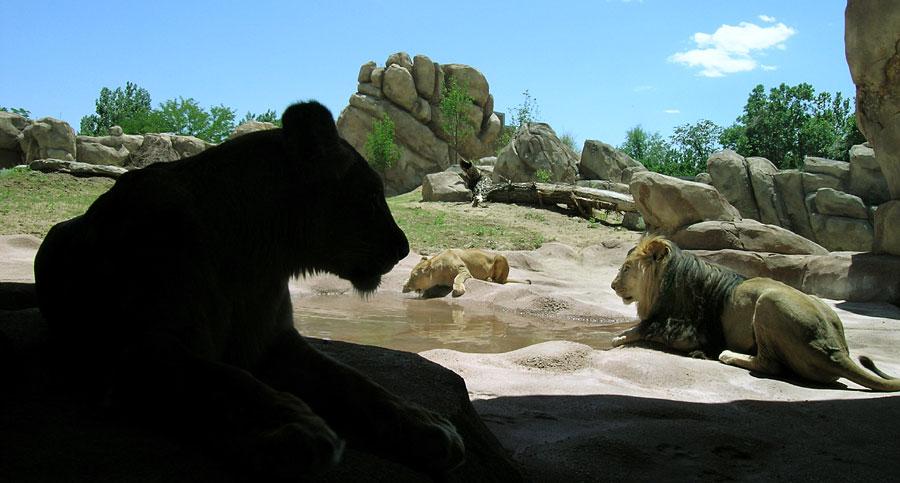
x=570, y=412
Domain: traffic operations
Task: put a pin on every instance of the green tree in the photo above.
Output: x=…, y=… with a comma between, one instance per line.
x=454, y=120
x=129, y=108
x=636, y=143
x=17, y=110
x=185, y=117
x=694, y=143
x=381, y=150
x=792, y=122
x=268, y=116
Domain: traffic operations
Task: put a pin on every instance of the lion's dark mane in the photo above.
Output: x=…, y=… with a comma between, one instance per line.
x=692, y=295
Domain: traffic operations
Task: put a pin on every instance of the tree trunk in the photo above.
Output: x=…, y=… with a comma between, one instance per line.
x=582, y=199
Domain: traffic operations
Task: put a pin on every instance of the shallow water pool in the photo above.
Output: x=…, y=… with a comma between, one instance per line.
x=415, y=325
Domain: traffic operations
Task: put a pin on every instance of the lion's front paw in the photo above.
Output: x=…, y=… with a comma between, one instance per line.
x=295, y=449
x=431, y=441
x=292, y=441
x=458, y=289
x=618, y=340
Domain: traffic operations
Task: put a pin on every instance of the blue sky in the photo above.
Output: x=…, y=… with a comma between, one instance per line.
x=595, y=68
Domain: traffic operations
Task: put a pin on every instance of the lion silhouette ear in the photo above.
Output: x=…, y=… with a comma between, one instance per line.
x=424, y=259
x=309, y=132
x=658, y=248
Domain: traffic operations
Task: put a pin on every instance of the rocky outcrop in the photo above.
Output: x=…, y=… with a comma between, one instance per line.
x=730, y=175
x=668, y=204
x=535, y=147
x=11, y=126
x=409, y=91
x=48, y=138
x=872, y=42
x=445, y=186
x=746, y=234
x=76, y=168
x=857, y=277
x=866, y=179
x=602, y=161
x=250, y=126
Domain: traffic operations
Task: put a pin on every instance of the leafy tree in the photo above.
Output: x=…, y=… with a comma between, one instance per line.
x=268, y=116
x=636, y=143
x=694, y=143
x=185, y=117
x=17, y=110
x=792, y=122
x=381, y=151
x=128, y=108
x=454, y=121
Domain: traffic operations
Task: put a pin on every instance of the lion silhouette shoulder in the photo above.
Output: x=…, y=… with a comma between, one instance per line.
x=169, y=299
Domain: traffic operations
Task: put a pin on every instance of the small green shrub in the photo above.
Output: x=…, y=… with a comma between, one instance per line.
x=381, y=150
x=543, y=175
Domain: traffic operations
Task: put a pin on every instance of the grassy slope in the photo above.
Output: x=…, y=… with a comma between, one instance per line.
x=32, y=202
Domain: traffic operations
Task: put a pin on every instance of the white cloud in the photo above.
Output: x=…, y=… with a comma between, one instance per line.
x=767, y=67
x=672, y=111
x=767, y=19
x=731, y=48
x=644, y=88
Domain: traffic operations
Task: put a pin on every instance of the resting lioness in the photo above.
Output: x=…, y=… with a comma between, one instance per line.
x=452, y=267
x=759, y=324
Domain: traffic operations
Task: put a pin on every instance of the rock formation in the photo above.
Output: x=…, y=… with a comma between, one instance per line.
x=602, y=161
x=409, y=91
x=872, y=42
x=535, y=147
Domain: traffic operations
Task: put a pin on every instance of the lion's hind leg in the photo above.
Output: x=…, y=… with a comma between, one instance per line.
x=762, y=364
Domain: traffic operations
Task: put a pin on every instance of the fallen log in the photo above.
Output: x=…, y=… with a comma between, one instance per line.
x=579, y=198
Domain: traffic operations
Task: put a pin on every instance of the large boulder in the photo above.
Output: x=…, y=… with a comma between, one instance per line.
x=534, y=147
x=409, y=92
x=761, y=172
x=445, y=186
x=838, y=170
x=837, y=203
x=97, y=153
x=156, y=148
x=866, y=179
x=76, y=168
x=668, y=203
x=887, y=233
x=854, y=277
x=840, y=233
x=11, y=126
x=729, y=174
x=746, y=234
x=189, y=145
x=251, y=126
x=48, y=138
x=871, y=36
x=602, y=161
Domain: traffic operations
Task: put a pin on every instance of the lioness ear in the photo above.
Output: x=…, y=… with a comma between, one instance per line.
x=424, y=259
x=309, y=133
x=658, y=249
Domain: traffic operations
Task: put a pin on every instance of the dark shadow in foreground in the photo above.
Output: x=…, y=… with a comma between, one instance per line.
x=625, y=438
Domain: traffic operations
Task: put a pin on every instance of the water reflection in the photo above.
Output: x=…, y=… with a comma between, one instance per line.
x=415, y=325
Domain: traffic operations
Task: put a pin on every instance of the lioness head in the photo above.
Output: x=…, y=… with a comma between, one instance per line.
x=638, y=279
x=347, y=228
x=420, y=277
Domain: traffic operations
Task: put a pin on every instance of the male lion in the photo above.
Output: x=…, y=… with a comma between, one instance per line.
x=759, y=324
x=169, y=300
x=452, y=267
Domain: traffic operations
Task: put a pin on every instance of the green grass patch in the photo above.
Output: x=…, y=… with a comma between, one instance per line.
x=31, y=202
x=430, y=230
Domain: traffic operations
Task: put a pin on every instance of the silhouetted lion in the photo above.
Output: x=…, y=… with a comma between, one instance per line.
x=169, y=299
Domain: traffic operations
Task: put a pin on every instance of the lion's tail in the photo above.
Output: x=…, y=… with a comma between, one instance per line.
x=879, y=381
x=515, y=280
